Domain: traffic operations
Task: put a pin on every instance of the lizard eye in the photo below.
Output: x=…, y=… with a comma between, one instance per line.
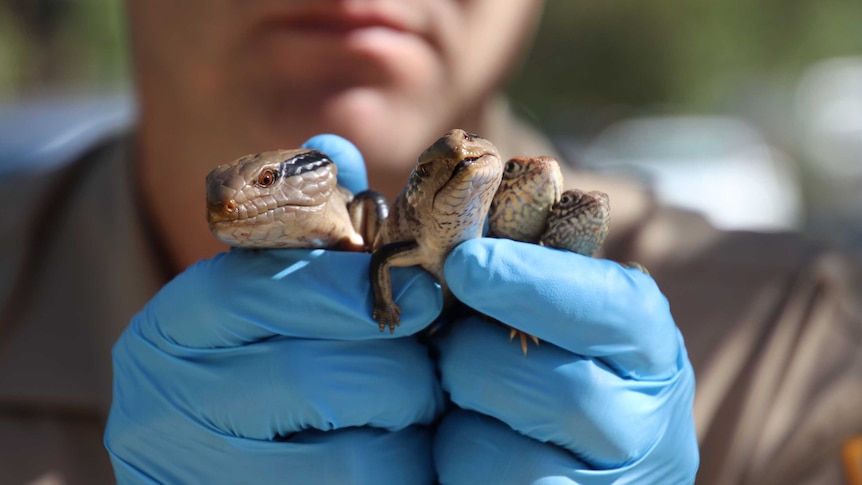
x=566, y=199
x=512, y=168
x=423, y=170
x=266, y=178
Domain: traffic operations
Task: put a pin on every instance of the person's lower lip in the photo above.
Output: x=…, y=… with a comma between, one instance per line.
x=326, y=20
x=336, y=28
x=335, y=31
x=378, y=35
x=370, y=42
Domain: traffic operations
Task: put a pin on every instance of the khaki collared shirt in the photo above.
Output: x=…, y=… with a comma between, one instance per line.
x=771, y=322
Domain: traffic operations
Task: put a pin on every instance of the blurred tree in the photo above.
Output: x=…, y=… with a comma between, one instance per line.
x=51, y=45
x=596, y=61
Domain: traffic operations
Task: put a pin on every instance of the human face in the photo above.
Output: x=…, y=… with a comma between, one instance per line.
x=390, y=75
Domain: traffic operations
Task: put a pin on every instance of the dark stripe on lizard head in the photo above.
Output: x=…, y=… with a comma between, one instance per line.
x=304, y=162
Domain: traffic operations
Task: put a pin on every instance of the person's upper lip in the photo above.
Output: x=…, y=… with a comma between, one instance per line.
x=336, y=19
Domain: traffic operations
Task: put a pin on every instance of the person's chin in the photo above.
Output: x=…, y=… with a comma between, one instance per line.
x=376, y=118
x=385, y=123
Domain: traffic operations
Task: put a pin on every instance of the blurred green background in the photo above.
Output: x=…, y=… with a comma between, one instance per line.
x=680, y=55
x=594, y=63
x=606, y=59
x=61, y=46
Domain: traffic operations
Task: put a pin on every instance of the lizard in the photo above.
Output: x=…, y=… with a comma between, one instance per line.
x=530, y=188
x=578, y=222
x=289, y=199
x=530, y=207
x=445, y=203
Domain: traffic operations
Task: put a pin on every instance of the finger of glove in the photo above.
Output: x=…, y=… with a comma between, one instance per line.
x=348, y=159
x=589, y=306
x=555, y=396
x=470, y=448
x=244, y=296
x=275, y=388
x=356, y=455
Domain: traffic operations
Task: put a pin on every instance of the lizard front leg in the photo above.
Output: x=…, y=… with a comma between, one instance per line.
x=401, y=253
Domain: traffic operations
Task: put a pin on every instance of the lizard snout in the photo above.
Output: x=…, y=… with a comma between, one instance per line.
x=221, y=210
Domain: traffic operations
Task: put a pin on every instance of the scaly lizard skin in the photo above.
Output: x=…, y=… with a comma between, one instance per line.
x=445, y=203
x=529, y=189
x=579, y=222
x=289, y=199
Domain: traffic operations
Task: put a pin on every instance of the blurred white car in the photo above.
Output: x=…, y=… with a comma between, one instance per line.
x=829, y=113
x=721, y=167
x=829, y=121
x=44, y=132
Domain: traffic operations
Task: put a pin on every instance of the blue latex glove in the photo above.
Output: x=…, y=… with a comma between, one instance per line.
x=266, y=367
x=606, y=397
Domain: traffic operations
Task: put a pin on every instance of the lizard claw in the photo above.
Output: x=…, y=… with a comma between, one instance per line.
x=387, y=315
x=523, y=337
x=637, y=266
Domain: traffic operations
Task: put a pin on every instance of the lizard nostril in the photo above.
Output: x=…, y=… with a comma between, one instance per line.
x=221, y=210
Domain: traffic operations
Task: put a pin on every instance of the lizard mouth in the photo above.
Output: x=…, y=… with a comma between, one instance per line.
x=239, y=215
x=463, y=165
x=469, y=164
x=255, y=230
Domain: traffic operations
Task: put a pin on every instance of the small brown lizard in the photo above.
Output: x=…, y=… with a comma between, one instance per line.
x=529, y=207
x=444, y=204
x=529, y=189
x=289, y=199
x=579, y=222
x=520, y=209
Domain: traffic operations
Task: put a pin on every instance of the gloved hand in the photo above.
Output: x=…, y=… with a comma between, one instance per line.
x=605, y=398
x=266, y=367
